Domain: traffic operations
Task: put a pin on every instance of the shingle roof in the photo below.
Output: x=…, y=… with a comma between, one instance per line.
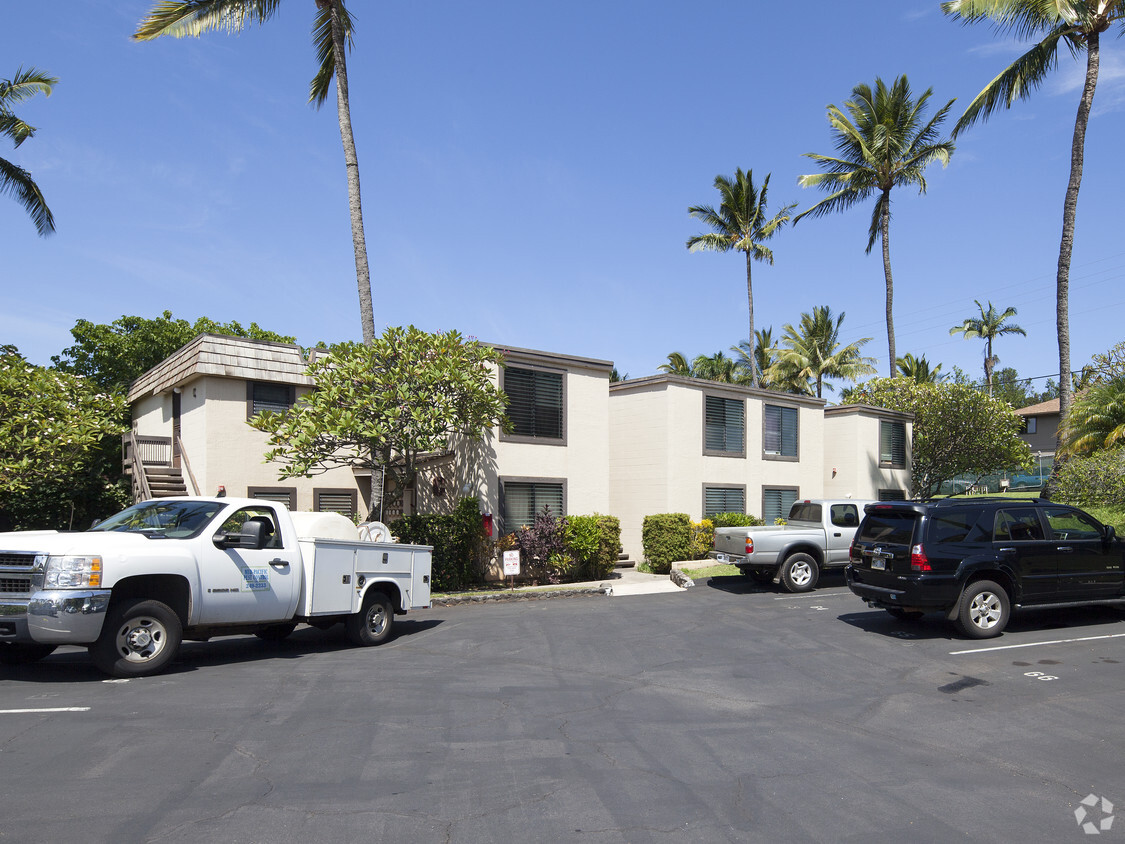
x=1041, y=409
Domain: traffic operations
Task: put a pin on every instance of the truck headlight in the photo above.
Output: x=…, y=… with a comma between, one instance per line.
x=73, y=573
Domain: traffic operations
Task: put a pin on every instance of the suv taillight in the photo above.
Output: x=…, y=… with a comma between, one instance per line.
x=851, y=551
x=749, y=545
x=918, y=559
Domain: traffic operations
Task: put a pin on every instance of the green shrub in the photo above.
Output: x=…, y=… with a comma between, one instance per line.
x=702, y=538
x=666, y=538
x=736, y=520
x=1095, y=480
x=458, y=542
x=609, y=546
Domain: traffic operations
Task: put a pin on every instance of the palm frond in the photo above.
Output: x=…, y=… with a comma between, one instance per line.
x=325, y=51
x=25, y=85
x=17, y=182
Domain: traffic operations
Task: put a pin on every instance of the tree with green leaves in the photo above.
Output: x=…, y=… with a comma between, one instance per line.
x=919, y=369
x=52, y=428
x=741, y=223
x=332, y=36
x=1048, y=24
x=1096, y=421
x=677, y=365
x=113, y=355
x=958, y=430
x=812, y=352
x=883, y=141
x=716, y=367
x=385, y=405
x=989, y=325
x=760, y=360
x=14, y=179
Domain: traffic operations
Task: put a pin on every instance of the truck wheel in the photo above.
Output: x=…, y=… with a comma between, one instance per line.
x=18, y=653
x=761, y=576
x=139, y=637
x=799, y=573
x=984, y=610
x=372, y=624
x=275, y=632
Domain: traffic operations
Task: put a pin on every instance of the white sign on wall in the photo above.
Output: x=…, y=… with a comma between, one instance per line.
x=511, y=563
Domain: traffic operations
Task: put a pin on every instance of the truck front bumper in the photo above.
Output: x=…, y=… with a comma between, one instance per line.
x=61, y=617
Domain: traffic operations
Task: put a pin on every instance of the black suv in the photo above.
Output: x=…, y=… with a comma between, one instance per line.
x=975, y=559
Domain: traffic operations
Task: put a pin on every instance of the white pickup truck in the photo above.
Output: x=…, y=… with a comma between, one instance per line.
x=817, y=535
x=135, y=585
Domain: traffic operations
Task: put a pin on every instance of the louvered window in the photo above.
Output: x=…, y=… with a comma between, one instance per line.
x=341, y=501
x=266, y=396
x=722, y=499
x=892, y=444
x=724, y=425
x=776, y=504
x=522, y=500
x=535, y=403
x=278, y=494
x=779, y=431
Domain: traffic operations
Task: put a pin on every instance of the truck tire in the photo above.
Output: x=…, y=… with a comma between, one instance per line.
x=139, y=638
x=799, y=573
x=19, y=653
x=276, y=632
x=372, y=624
x=984, y=610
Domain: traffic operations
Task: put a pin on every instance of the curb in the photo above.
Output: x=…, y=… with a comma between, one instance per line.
x=512, y=596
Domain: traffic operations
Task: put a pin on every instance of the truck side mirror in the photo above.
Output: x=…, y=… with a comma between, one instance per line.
x=254, y=535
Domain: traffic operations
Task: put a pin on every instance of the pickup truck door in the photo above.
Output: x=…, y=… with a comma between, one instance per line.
x=1088, y=565
x=249, y=584
x=843, y=520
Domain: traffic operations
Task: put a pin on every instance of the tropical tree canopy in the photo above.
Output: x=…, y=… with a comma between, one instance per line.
x=958, y=430
x=15, y=180
x=741, y=223
x=883, y=141
x=813, y=353
x=989, y=325
x=919, y=369
x=1096, y=420
x=762, y=358
x=383, y=406
x=1078, y=25
x=332, y=38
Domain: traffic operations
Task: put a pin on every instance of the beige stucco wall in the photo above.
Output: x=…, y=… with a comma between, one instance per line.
x=657, y=460
x=851, y=452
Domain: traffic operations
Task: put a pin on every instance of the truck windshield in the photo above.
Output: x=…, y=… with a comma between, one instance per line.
x=171, y=519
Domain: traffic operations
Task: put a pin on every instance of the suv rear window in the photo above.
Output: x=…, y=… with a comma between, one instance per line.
x=888, y=527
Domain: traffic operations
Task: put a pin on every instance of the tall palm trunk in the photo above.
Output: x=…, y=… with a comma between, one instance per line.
x=885, y=232
x=750, y=299
x=1066, y=246
x=351, y=162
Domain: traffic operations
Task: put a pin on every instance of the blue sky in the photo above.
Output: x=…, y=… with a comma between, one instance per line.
x=526, y=173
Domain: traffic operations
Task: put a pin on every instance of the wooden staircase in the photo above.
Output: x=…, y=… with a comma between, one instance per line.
x=165, y=482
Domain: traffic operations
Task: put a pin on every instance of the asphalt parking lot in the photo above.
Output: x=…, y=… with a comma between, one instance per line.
x=726, y=712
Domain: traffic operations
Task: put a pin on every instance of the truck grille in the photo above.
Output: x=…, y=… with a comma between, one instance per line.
x=16, y=560
x=15, y=585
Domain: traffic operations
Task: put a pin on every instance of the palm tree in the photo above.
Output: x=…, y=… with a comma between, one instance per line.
x=813, y=353
x=13, y=178
x=1096, y=420
x=716, y=367
x=988, y=326
x=761, y=360
x=332, y=32
x=1078, y=24
x=677, y=365
x=883, y=142
x=741, y=223
x=919, y=370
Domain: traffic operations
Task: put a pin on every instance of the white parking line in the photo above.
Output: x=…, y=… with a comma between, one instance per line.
x=55, y=709
x=1036, y=644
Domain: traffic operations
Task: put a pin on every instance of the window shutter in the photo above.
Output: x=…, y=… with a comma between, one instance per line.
x=275, y=397
x=723, y=500
x=892, y=443
x=724, y=422
x=781, y=429
x=535, y=402
x=523, y=500
x=776, y=504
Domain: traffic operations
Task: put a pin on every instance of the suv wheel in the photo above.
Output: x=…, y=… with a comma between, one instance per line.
x=984, y=610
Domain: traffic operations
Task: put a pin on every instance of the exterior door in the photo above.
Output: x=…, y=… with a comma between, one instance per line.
x=1018, y=538
x=1088, y=565
x=248, y=584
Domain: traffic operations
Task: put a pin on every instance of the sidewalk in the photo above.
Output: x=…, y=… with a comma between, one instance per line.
x=622, y=582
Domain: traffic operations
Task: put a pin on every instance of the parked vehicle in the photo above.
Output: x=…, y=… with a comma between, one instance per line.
x=135, y=585
x=817, y=536
x=978, y=559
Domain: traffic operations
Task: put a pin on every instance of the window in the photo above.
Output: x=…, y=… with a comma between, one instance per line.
x=723, y=499
x=341, y=501
x=776, y=502
x=286, y=495
x=845, y=515
x=1070, y=524
x=1017, y=525
x=892, y=495
x=779, y=431
x=535, y=403
x=724, y=425
x=522, y=500
x=956, y=527
x=262, y=395
x=892, y=444
x=1032, y=424
x=265, y=515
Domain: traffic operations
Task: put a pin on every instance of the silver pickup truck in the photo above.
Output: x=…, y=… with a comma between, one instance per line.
x=818, y=535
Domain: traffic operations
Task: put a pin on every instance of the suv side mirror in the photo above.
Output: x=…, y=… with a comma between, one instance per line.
x=1110, y=533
